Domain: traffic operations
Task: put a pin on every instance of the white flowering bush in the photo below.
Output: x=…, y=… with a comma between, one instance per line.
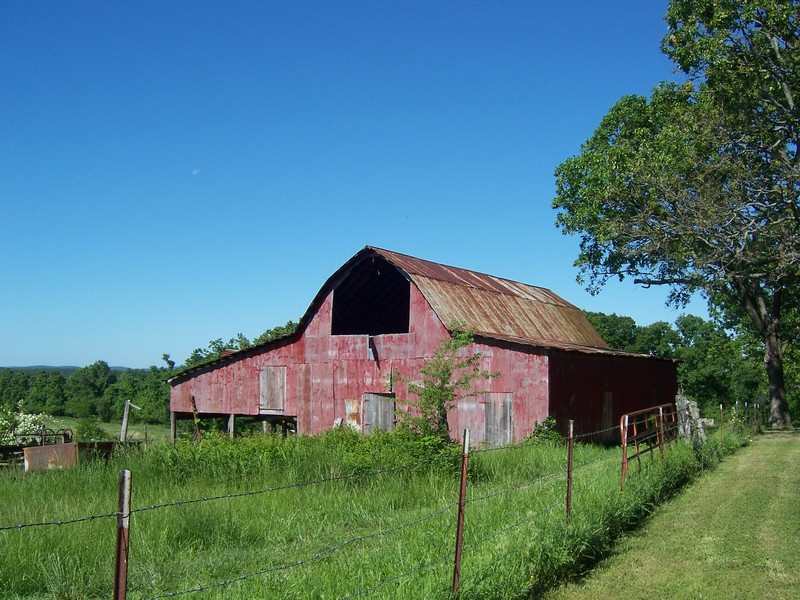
x=18, y=423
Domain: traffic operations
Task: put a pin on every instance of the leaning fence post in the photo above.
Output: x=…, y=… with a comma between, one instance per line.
x=462, y=500
x=569, y=473
x=123, y=518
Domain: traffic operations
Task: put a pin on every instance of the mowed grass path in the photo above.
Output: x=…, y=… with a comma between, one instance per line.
x=734, y=533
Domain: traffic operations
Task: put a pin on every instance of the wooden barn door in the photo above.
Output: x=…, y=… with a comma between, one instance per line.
x=273, y=389
x=498, y=419
x=378, y=412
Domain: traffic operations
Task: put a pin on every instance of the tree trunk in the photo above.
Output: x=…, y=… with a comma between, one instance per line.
x=778, y=407
x=767, y=323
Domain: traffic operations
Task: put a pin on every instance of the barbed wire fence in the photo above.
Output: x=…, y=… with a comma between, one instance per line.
x=554, y=491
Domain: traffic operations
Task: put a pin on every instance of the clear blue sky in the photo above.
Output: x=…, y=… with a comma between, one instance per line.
x=175, y=172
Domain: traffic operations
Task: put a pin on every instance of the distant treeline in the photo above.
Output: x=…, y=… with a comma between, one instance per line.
x=100, y=390
x=716, y=367
x=87, y=391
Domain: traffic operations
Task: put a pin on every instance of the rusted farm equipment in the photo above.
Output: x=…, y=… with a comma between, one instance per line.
x=646, y=430
x=13, y=454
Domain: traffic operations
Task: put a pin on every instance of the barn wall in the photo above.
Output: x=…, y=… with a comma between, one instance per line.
x=595, y=390
x=523, y=375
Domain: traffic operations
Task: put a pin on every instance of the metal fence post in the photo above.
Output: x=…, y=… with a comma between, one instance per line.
x=462, y=500
x=569, y=473
x=623, y=430
x=721, y=445
x=123, y=518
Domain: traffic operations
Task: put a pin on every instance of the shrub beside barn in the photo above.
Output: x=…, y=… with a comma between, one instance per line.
x=382, y=314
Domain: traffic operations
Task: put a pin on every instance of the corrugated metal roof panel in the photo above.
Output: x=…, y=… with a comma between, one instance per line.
x=498, y=307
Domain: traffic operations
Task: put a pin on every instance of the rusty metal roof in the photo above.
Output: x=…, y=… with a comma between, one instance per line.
x=496, y=307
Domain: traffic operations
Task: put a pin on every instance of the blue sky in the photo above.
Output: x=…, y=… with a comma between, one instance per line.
x=175, y=172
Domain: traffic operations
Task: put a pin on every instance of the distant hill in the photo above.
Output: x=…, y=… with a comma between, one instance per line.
x=66, y=370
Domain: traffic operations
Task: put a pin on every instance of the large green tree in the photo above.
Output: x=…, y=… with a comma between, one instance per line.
x=696, y=187
x=85, y=389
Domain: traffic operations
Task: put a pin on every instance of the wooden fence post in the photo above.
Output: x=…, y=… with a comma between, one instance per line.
x=123, y=518
x=721, y=445
x=569, y=472
x=462, y=500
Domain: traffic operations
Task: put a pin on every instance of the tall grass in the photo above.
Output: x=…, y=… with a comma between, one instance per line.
x=375, y=516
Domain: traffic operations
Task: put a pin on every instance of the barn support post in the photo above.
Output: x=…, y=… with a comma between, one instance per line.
x=462, y=500
x=123, y=521
x=231, y=424
x=569, y=472
x=173, y=427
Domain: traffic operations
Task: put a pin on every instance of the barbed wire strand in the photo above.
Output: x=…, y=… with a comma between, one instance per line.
x=527, y=484
x=21, y=526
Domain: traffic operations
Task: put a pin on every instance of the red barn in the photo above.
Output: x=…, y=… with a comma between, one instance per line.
x=383, y=313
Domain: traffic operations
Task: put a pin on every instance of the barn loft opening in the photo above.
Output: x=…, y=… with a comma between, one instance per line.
x=372, y=299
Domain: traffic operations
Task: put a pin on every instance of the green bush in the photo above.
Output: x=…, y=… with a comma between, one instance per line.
x=89, y=430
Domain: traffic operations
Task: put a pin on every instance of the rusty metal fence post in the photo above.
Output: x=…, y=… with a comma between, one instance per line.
x=462, y=500
x=123, y=519
x=569, y=472
x=623, y=431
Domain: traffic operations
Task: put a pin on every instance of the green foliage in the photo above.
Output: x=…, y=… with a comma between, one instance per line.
x=89, y=430
x=545, y=432
x=276, y=333
x=444, y=378
x=715, y=367
x=696, y=187
x=85, y=388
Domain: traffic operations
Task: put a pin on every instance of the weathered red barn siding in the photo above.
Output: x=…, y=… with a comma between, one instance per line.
x=581, y=384
x=327, y=376
x=523, y=373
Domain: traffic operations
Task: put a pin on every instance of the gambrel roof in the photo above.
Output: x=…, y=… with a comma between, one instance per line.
x=371, y=296
x=496, y=308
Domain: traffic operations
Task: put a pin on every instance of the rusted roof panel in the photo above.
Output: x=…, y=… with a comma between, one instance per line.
x=498, y=307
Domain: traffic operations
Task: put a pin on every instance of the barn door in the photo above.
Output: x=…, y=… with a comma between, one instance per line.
x=273, y=389
x=378, y=412
x=498, y=419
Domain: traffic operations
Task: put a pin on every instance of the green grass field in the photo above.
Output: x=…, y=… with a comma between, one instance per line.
x=136, y=431
x=375, y=515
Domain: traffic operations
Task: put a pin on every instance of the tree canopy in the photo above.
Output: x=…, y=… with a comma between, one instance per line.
x=696, y=187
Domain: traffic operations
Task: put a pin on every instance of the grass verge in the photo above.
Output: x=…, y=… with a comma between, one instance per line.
x=733, y=534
